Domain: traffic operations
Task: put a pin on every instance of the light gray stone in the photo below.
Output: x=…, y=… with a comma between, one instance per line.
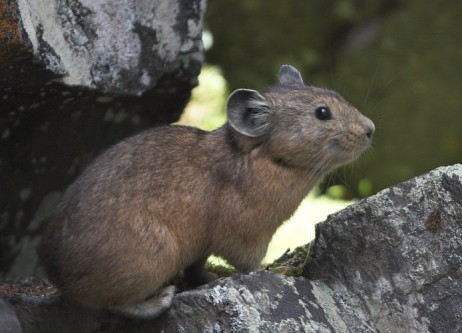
x=117, y=45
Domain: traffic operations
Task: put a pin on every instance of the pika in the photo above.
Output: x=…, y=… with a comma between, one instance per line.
x=161, y=202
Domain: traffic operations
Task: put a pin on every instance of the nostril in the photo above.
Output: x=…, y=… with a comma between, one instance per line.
x=369, y=133
x=370, y=130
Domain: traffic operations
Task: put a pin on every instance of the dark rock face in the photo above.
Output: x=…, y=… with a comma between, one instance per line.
x=76, y=77
x=390, y=263
x=8, y=319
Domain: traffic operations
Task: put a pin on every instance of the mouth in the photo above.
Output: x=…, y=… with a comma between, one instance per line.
x=347, y=150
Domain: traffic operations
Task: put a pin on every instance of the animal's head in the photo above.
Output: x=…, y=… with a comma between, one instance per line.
x=300, y=125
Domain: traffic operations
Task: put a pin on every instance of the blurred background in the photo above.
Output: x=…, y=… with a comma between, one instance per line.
x=399, y=62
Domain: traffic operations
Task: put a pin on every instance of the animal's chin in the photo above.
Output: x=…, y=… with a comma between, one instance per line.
x=345, y=156
x=335, y=156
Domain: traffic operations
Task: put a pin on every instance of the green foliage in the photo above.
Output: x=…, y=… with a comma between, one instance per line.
x=291, y=263
x=220, y=268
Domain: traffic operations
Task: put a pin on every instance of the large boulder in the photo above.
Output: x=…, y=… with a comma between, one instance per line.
x=397, y=255
x=76, y=77
x=390, y=263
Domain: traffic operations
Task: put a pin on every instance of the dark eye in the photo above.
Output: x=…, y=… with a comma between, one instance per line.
x=323, y=113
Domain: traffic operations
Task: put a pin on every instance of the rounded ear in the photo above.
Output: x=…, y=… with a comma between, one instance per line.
x=290, y=75
x=248, y=112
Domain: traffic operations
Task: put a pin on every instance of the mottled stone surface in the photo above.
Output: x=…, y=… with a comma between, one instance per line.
x=389, y=264
x=259, y=302
x=398, y=254
x=76, y=77
x=115, y=45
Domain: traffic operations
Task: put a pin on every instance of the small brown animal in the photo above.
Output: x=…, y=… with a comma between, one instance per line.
x=164, y=200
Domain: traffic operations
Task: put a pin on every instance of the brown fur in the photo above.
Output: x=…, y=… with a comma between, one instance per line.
x=166, y=199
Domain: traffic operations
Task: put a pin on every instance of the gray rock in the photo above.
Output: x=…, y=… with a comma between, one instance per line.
x=397, y=256
x=390, y=263
x=259, y=302
x=116, y=45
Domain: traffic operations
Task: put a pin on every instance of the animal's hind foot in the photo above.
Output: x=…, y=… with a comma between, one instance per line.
x=150, y=308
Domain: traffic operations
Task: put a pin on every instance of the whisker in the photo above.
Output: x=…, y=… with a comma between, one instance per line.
x=369, y=88
x=378, y=101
